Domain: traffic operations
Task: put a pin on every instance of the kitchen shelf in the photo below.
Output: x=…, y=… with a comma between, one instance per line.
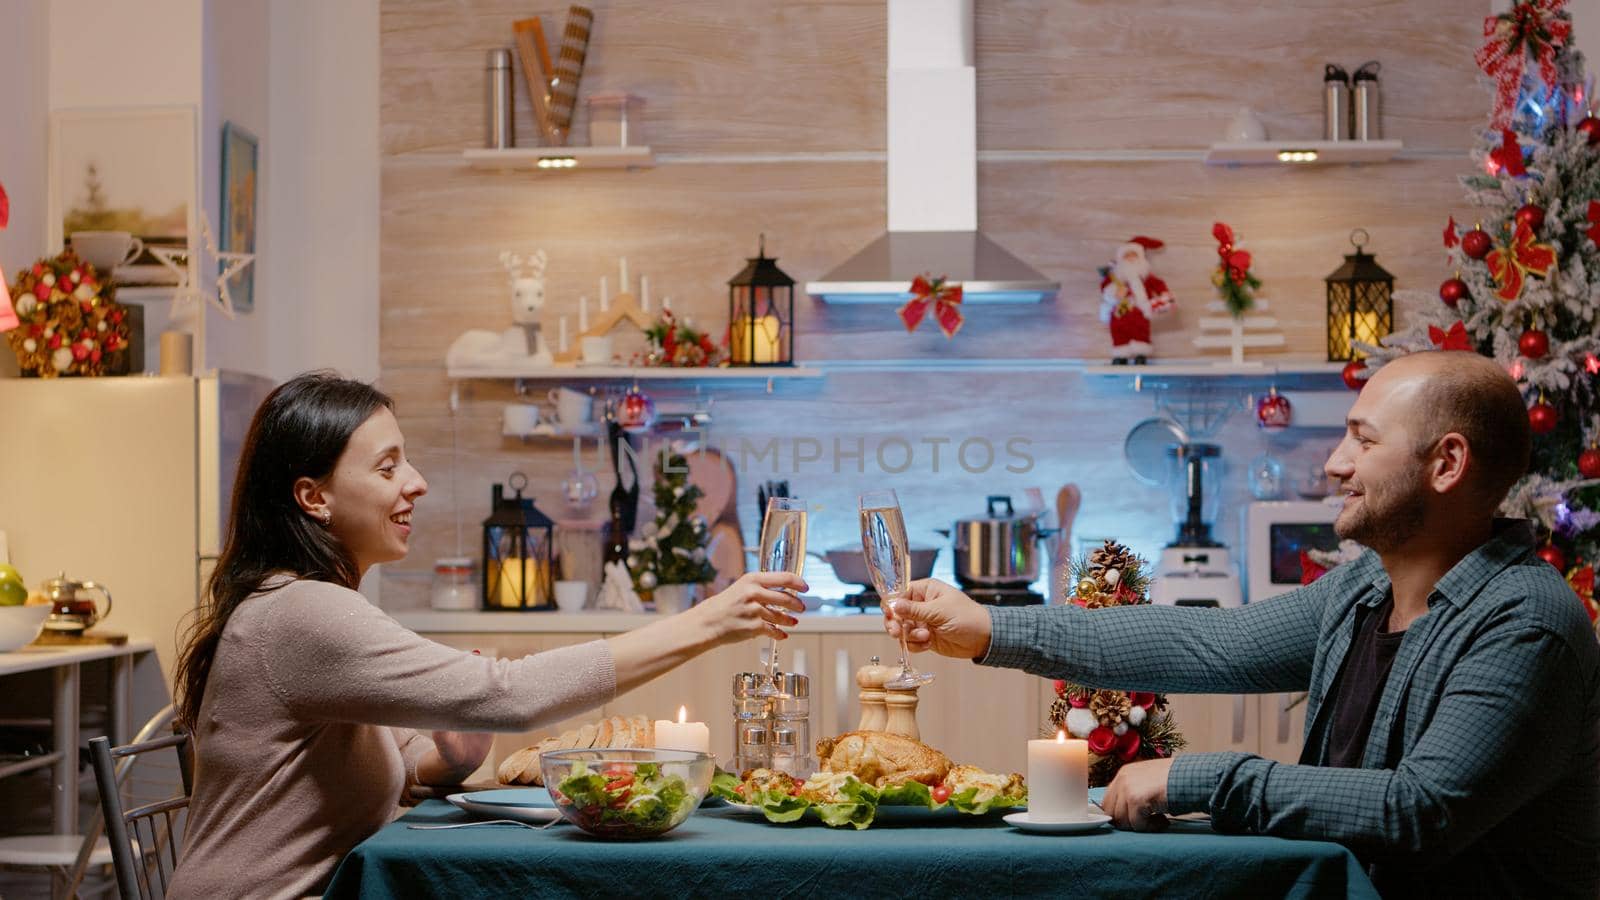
x=1256, y=153
x=552, y=430
x=633, y=373
x=558, y=159
x=1202, y=369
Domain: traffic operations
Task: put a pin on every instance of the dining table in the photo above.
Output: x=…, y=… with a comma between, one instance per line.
x=723, y=851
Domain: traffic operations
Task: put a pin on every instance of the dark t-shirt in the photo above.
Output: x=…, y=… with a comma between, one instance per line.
x=1355, y=695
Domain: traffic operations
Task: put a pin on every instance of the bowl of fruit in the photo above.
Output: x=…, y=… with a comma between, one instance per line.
x=627, y=794
x=20, y=621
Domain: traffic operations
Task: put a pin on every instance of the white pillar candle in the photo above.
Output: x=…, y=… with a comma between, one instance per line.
x=644, y=292
x=583, y=313
x=605, y=296
x=1058, y=779
x=622, y=286
x=666, y=303
x=563, y=339
x=683, y=735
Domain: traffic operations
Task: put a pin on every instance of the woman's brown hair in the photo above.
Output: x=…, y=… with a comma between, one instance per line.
x=300, y=431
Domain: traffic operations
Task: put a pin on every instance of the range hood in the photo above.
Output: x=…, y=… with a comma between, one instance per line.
x=933, y=174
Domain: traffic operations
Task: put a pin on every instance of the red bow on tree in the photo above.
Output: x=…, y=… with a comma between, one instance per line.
x=1582, y=581
x=1536, y=28
x=944, y=299
x=1507, y=157
x=1525, y=256
x=1454, y=339
x=1236, y=263
x=1450, y=237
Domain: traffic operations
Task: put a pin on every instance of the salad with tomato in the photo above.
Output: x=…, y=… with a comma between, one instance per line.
x=839, y=798
x=624, y=799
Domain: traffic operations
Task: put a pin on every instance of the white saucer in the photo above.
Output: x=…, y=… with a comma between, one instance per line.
x=1090, y=822
x=531, y=805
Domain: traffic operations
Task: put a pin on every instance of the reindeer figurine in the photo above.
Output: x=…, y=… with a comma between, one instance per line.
x=526, y=274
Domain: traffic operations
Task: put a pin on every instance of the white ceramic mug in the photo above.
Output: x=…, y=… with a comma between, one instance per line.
x=519, y=419
x=105, y=250
x=572, y=407
x=595, y=350
x=572, y=596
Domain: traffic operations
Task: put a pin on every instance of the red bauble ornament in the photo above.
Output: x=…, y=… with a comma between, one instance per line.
x=636, y=412
x=1476, y=243
x=1452, y=292
x=1552, y=554
x=1531, y=215
x=1274, y=410
x=1542, y=418
x=1589, y=127
x=1533, y=344
x=1589, y=463
x=1352, y=374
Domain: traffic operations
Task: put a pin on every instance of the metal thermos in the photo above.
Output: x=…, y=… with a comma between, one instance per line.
x=1364, y=108
x=1335, y=104
x=498, y=95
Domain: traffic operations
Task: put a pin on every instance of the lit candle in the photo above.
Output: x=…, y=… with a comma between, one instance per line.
x=563, y=339
x=605, y=295
x=622, y=286
x=666, y=303
x=684, y=735
x=761, y=347
x=1058, y=779
x=644, y=292
x=511, y=574
x=583, y=313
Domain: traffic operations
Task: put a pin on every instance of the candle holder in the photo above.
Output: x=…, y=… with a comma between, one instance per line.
x=761, y=313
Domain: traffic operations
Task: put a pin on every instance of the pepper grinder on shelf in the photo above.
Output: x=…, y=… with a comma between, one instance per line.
x=870, y=678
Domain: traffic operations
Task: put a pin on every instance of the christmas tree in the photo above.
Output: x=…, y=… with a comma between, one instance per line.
x=1521, y=292
x=672, y=550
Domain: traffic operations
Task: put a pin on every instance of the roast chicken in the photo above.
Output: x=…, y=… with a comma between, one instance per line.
x=879, y=758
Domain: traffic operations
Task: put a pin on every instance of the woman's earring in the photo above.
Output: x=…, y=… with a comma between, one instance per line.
x=327, y=518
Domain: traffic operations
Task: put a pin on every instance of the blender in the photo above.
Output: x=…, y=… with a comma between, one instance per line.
x=1195, y=569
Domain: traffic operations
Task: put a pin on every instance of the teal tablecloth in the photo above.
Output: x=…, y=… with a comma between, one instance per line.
x=720, y=853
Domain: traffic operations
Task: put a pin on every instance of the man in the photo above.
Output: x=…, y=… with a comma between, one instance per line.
x=1453, y=725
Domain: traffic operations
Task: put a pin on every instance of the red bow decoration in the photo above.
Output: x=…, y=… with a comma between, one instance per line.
x=1582, y=582
x=944, y=299
x=5, y=207
x=1525, y=256
x=1236, y=263
x=1536, y=28
x=1454, y=339
x=1507, y=157
x=1450, y=237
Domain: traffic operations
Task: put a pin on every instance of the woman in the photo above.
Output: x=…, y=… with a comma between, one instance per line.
x=302, y=696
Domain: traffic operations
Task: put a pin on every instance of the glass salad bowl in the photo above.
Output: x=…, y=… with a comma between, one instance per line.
x=627, y=794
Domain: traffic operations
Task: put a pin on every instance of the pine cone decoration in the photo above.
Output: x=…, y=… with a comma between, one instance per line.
x=1058, y=712
x=1110, y=707
x=1112, y=556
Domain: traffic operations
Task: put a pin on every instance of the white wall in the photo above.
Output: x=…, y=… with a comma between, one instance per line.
x=24, y=106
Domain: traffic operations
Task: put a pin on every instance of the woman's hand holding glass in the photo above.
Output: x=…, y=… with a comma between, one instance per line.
x=753, y=606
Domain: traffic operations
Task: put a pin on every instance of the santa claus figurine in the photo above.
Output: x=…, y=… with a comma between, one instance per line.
x=1129, y=298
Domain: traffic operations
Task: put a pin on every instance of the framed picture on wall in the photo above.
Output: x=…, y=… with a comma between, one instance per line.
x=240, y=162
x=124, y=180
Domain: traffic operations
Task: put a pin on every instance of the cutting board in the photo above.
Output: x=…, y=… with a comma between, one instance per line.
x=84, y=639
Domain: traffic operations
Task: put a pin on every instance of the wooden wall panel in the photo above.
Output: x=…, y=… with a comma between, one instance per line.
x=794, y=77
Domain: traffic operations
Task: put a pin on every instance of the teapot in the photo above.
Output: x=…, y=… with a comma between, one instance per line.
x=73, y=607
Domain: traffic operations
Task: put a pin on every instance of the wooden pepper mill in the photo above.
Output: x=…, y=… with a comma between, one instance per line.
x=902, y=709
x=870, y=678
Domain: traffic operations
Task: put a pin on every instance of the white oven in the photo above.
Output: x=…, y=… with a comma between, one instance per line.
x=1275, y=534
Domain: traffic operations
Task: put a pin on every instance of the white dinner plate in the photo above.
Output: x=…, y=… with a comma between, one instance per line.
x=532, y=805
x=1090, y=822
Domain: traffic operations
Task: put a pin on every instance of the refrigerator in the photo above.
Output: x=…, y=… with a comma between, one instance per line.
x=125, y=481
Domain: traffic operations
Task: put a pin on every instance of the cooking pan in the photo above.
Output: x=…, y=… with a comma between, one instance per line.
x=850, y=563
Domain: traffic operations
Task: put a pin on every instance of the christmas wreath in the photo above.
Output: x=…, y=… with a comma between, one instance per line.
x=1120, y=726
x=70, y=322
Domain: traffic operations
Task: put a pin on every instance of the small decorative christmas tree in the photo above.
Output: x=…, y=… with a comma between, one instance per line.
x=1120, y=726
x=672, y=550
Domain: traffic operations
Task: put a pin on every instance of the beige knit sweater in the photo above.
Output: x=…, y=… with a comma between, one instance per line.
x=305, y=743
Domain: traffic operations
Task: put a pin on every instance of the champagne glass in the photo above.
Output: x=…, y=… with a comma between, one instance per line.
x=783, y=549
x=883, y=541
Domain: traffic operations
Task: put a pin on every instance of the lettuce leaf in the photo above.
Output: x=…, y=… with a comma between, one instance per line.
x=974, y=803
x=778, y=806
x=584, y=788
x=726, y=786
x=910, y=793
x=858, y=808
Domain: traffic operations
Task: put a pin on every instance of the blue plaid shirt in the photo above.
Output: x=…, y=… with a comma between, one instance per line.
x=1481, y=774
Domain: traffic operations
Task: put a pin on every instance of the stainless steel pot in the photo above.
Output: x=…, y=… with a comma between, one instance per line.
x=1001, y=548
x=850, y=563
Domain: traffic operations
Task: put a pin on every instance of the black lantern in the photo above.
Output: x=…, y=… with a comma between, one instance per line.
x=517, y=542
x=761, y=314
x=1360, y=302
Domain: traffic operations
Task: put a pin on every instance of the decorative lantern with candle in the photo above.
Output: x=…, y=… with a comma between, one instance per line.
x=761, y=313
x=1360, y=302
x=517, y=542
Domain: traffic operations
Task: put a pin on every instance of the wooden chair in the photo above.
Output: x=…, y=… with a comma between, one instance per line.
x=69, y=858
x=144, y=839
